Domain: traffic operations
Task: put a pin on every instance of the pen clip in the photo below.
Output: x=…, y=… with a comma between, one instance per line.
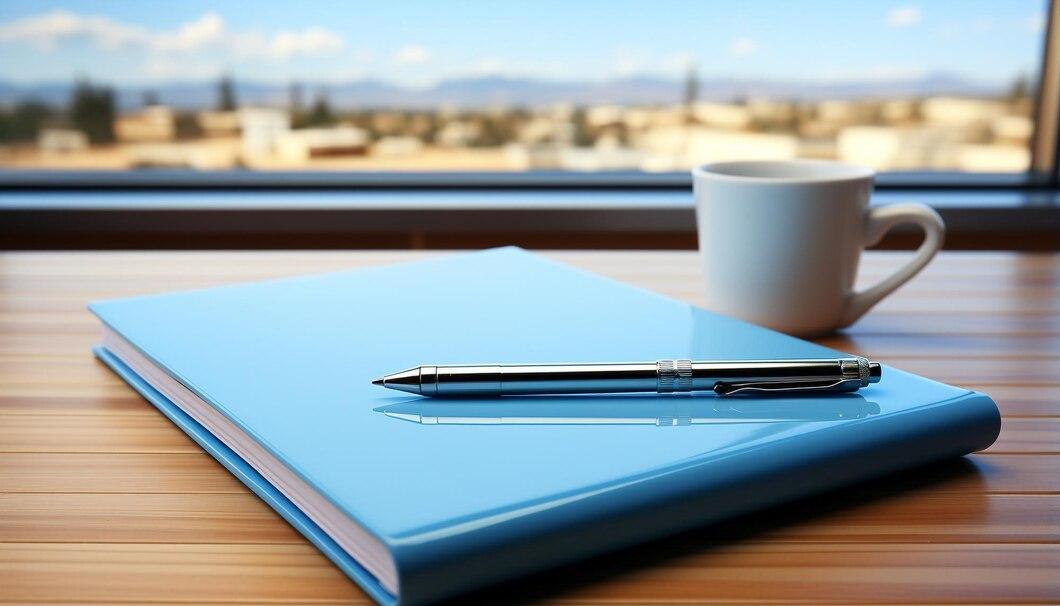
x=767, y=387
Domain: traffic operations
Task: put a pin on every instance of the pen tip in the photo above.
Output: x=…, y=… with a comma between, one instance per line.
x=377, y=382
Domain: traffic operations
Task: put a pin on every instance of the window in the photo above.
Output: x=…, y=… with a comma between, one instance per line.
x=326, y=87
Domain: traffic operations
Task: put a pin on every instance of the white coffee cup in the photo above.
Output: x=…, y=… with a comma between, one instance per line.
x=780, y=241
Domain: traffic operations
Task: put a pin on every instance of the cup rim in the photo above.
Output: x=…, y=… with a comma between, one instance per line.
x=839, y=171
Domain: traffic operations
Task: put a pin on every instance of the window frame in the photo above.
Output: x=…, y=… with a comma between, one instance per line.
x=1045, y=145
x=1044, y=170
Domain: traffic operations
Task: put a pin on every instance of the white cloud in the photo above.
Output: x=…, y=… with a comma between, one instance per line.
x=47, y=30
x=904, y=16
x=742, y=46
x=412, y=54
x=1036, y=23
x=309, y=42
x=209, y=32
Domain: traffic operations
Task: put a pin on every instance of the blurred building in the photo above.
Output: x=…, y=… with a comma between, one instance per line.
x=590, y=159
x=771, y=112
x=301, y=145
x=844, y=112
x=61, y=141
x=260, y=127
x=600, y=116
x=195, y=156
x=680, y=147
x=960, y=112
x=1013, y=129
x=637, y=118
x=899, y=111
x=397, y=146
x=582, y=159
x=993, y=158
x=152, y=123
x=723, y=115
x=218, y=123
x=388, y=122
x=540, y=129
x=458, y=133
x=899, y=148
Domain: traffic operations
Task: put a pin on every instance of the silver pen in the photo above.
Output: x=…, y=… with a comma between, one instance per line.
x=725, y=378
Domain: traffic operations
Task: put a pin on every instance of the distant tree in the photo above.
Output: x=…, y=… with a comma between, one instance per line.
x=23, y=121
x=295, y=98
x=226, y=94
x=150, y=98
x=320, y=114
x=691, y=93
x=691, y=85
x=92, y=111
x=490, y=129
x=1020, y=89
x=582, y=136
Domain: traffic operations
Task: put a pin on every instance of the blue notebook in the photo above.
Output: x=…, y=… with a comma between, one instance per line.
x=418, y=500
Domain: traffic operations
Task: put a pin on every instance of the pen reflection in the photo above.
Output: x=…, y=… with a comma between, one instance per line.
x=630, y=410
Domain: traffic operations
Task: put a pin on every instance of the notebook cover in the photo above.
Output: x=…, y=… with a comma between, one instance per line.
x=468, y=499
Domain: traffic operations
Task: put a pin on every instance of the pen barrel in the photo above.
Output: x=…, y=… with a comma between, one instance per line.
x=664, y=376
x=538, y=379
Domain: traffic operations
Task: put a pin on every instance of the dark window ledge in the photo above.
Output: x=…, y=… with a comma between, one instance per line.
x=987, y=218
x=162, y=179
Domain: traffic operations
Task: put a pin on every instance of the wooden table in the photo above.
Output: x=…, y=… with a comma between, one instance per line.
x=103, y=500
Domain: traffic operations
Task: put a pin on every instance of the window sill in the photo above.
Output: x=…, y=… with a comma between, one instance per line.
x=1026, y=219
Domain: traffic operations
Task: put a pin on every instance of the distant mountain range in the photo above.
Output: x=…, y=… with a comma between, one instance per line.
x=525, y=92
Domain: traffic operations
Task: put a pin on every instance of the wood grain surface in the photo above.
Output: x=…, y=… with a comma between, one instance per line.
x=102, y=500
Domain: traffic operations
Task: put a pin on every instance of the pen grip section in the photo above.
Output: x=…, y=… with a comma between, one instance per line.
x=540, y=379
x=579, y=378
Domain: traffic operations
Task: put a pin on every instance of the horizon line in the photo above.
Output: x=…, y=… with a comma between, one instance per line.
x=813, y=80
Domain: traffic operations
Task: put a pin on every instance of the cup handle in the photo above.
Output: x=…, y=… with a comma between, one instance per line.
x=878, y=221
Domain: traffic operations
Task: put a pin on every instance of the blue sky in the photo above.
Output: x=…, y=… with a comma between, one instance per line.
x=417, y=43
